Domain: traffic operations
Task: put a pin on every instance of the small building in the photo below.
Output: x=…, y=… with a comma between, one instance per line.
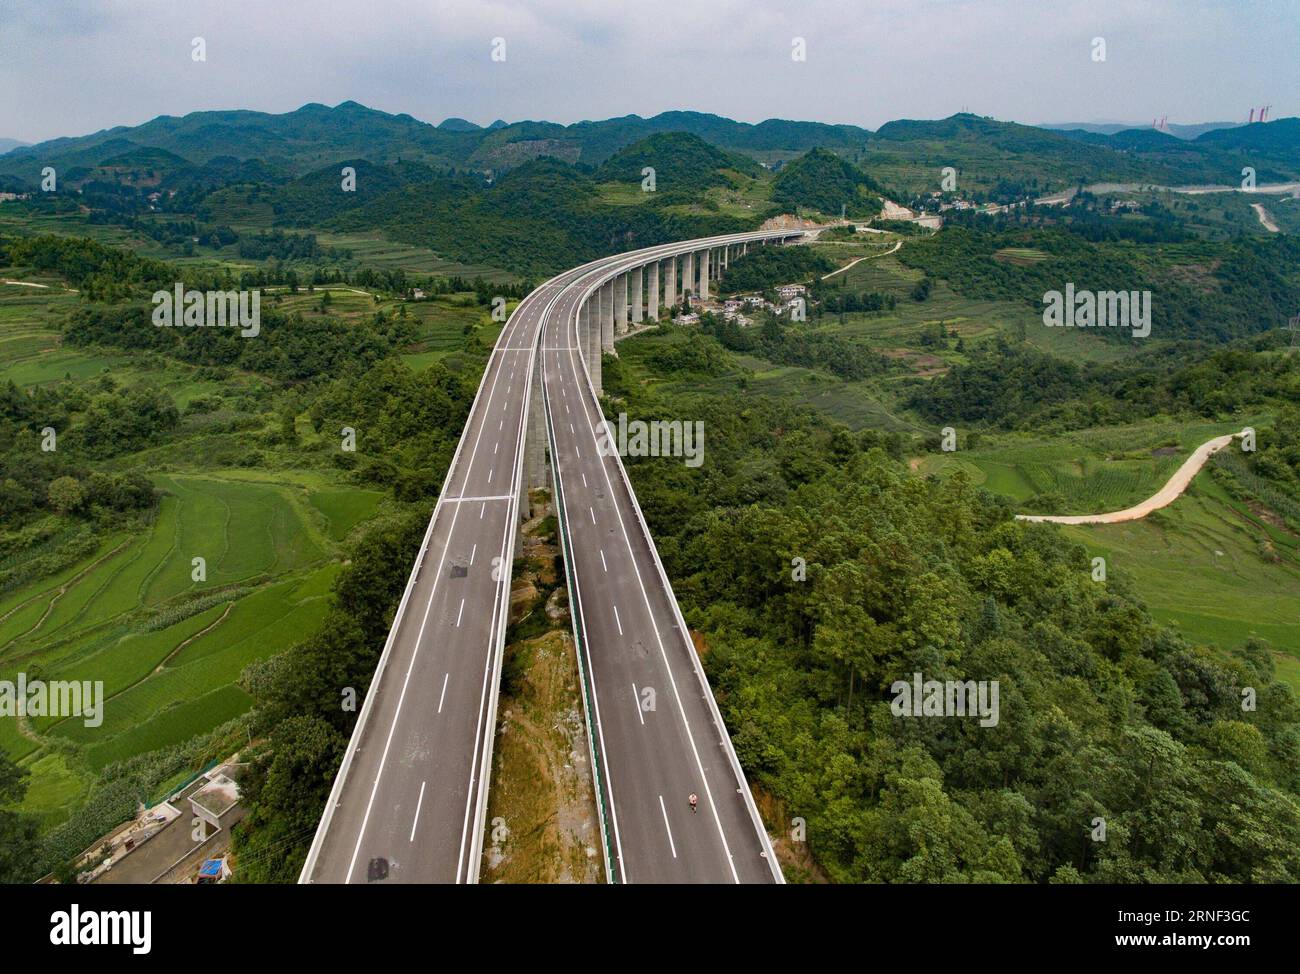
x=214, y=804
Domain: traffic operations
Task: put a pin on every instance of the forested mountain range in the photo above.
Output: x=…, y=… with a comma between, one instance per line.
x=297, y=142
x=532, y=197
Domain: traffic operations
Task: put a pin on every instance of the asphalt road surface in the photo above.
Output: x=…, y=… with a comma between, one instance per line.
x=409, y=801
x=657, y=733
x=406, y=806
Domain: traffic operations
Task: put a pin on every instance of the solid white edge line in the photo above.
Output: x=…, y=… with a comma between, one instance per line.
x=418, y=805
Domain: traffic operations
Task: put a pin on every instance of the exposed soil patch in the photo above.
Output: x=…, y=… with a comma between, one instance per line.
x=542, y=822
x=922, y=363
x=790, y=839
x=1268, y=516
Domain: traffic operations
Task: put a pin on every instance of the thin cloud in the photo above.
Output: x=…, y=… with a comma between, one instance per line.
x=78, y=66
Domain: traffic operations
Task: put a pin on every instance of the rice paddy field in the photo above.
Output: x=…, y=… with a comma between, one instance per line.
x=974, y=320
x=371, y=250
x=128, y=607
x=170, y=649
x=1215, y=569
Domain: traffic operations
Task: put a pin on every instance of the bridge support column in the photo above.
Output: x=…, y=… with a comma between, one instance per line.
x=589, y=342
x=620, y=305
x=638, y=294
x=652, y=292
x=704, y=275
x=688, y=275
x=670, y=283
x=607, y=317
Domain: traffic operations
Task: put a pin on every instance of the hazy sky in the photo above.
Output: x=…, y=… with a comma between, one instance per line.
x=69, y=67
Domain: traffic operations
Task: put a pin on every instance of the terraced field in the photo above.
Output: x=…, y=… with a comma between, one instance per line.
x=30, y=352
x=189, y=688
x=124, y=606
x=170, y=649
x=373, y=250
x=973, y=319
x=442, y=325
x=441, y=322
x=1096, y=470
x=1213, y=569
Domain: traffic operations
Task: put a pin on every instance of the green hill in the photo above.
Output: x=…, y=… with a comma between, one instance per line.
x=537, y=219
x=821, y=180
x=682, y=163
x=319, y=197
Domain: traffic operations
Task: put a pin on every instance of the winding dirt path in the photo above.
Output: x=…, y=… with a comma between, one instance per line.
x=34, y=284
x=1167, y=494
x=883, y=253
x=1265, y=217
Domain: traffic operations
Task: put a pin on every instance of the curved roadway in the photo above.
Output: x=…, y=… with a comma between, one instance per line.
x=409, y=801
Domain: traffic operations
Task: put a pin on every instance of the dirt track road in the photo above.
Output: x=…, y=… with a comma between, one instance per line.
x=1167, y=494
x=1265, y=217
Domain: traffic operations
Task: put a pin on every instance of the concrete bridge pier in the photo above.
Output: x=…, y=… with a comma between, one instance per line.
x=704, y=275
x=620, y=304
x=652, y=292
x=688, y=275
x=607, y=317
x=638, y=294
x=589, y=342
x=670, y=282
x=584, y=331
